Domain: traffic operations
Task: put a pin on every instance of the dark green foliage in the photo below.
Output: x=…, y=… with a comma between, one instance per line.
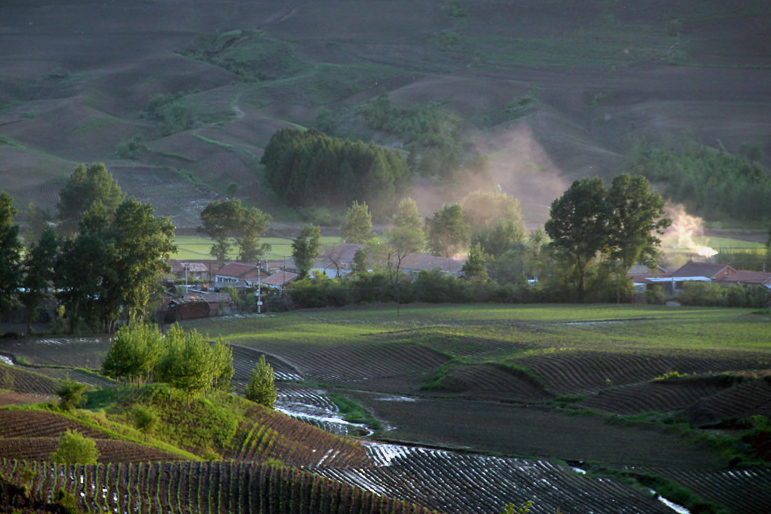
x=429, y=131
x=318, y=292
x=308, y=168
x=222, y=219
x=305, y=249
x=248, y=54
x=475, y=267
x=578, y=226
x=719, y=295
x=10, y=254
x=129, y=147
x=261, y=388
x=711, y=184
x=447, y=232
x=38, y=272
x=113, y=264
x=587, y=222
x=74, y=448
x=71, y=395
x=357, y=224
x=676, y=493
x=86, y=185
x=37, y=220
x=172, y=115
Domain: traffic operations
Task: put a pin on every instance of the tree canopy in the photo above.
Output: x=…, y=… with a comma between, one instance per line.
x=618, y=224
x=86, y=185
x=311, y=169
x=357, y=224
x=447, y=231
x=305, y=248
x=10, y=253
x=113, y=264
x=222, y=219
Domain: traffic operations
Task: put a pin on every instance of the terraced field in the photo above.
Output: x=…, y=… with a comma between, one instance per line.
x=525, y=384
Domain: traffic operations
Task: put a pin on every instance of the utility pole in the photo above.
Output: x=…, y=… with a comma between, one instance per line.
x=259, y=287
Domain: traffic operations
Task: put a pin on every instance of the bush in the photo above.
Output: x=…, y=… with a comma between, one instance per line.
x=75, y=448
x=71, y=395
x=261, y=388
x=128, y=148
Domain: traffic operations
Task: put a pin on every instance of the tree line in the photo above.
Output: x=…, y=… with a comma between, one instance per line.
x=309, y=168
x=102, y=254
x=713, y=184
x=592, y=239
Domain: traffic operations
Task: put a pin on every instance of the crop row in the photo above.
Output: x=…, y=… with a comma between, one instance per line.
x=276, y=436
x=25, y=423
x=462, y=483
x=584, y=372
x=355, y=364
x=194, y=487
x=22, y=381
x=245, y=359
x=662, y=396
x=80, y=352
x=740, y=490
x=41, y=448
x=742, y=401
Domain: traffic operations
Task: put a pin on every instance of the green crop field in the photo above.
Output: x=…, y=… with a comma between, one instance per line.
x=196, y=247
x=605, y=327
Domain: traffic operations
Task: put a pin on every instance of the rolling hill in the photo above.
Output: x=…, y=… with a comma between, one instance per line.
x=77, y=78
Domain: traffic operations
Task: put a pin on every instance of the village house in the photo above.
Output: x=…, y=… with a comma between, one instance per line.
x=671, y=283
x=240, y=275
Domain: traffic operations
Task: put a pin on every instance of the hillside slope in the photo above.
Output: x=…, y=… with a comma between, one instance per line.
x=77, y=76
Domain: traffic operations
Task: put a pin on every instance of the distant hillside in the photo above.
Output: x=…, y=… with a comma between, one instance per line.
x=549, y=91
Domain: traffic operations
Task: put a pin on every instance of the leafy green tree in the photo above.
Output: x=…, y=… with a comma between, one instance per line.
x=75, y=448
x=86, y=185
x=145, y=420
x=495, y=220
x=406, y=236
x=84, y=274
x=135, y=352
x=38, y=273
x=37, y=220
x=261, y=388
x=221, y=363
x=475, y=267
x=447, y=232
x=636, y=214
x=218, y=222
x=113, y=264
x=143, y=244
x=357, y=224
x=190, y=364
x=10, y=254
x=71, y=395
x=578, y=227
x=305, y=249
x=250, y=225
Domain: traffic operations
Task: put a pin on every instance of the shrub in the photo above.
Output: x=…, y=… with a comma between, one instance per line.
x=71, y=395
x=261, y=387
x=75, y=448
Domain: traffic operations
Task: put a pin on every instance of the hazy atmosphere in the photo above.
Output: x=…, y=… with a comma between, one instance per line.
x=385, y=256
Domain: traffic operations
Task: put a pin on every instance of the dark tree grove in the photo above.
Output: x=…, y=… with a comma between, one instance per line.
x=311, y=169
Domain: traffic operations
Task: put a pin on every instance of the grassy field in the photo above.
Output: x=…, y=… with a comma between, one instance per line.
x=601, y=327
x=196, y=247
